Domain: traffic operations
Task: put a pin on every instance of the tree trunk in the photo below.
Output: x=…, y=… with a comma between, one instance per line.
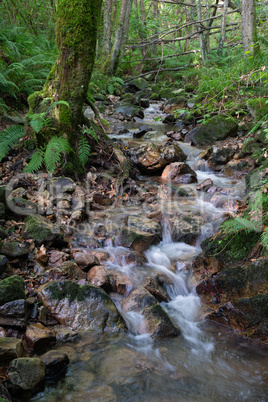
x=155, y=15
x=249, y=34
x=223, y=26
x=122, y=30
x=107, y=28
x=76, y=34
x=201, y=35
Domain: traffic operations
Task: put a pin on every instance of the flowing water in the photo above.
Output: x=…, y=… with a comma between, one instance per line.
x=207, y=362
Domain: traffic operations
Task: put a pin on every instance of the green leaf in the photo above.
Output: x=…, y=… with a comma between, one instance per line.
x=83, y=150
x=35, y=162
x=8, y=138
x=54, y=150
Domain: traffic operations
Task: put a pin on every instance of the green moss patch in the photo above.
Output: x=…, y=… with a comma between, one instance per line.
x=11, y=289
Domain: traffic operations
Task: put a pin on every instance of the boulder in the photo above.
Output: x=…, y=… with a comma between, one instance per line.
x=14, y=248
x=99, y=276
x=26, y=375
x=153, y=159
x=11, y=288
x=56, y=363
x=154, y=287
x=38, y=337
x=14, y=313
x=41, y=230
x=10, y=348
x=102, y=199
x=215, y=129
x=3, y=263
x=137, y=84
x=120, y=282
x=135, y=239
x=68, y=270
x=21, y=206
x=206, y=153
x=59, y=185
x=169, y=119
x=186, y=228
x=205, y=185
x=86, y=260
x=157, y=322
x=85, y=308
x=180, y=173
x=220, y=158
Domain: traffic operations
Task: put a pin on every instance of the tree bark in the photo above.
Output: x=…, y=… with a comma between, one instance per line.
x=249, y=34
x=107, y=28
x=76, y=34
x=201, y=35
x=223, y=26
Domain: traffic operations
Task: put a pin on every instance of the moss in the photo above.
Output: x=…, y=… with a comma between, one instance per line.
x=11, y=288
x=255, y=308
x=215, y=129
x=34, y=101
x=258, y=107
x=72, y=291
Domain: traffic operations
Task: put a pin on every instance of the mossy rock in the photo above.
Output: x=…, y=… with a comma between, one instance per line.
x=166, y=93
x=2, y=210
x=14, y=248
x=261, y=136
x=177, y=100
x=154, y=96
x=26, y=374
x=11, y=288
x=215, y=129
x=258, y=107
x=255, y=308
x=250, y=146
x=139, y=83
x=189, y=87
x=128, y=98
x=41, y=231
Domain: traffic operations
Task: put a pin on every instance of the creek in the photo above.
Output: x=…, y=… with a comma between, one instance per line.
x=207, y=362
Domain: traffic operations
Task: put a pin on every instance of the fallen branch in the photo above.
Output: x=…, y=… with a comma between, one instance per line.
x=160, y=71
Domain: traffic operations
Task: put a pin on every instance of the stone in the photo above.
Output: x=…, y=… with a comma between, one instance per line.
x=38, y=337
x=99, y=276
x=206, y=153
x=180, y=173
x=215, y=129
x=137, y=84
x=153, y=159
x=120, y=282
x=68, y=270
x=144, y=224
x=3, y=233
x=57, y=258
x=220, y=157
x=10, y=348
x=153, y=286
x=14, y=248
x=21, y=206
x=3, y=263
x=205, y=185
x=85, y=260
x=84, y=308
x=65, y=334
x=144, y=103
x=186, y=228
x=2, y=209
x=156, y=321
x=135, y=239
x=14, y=313
x=41, y=230
x=56, y=363
x=11, y=288
x=26, y=374
x=59, y=185
x=102, y=199
x=169, y=119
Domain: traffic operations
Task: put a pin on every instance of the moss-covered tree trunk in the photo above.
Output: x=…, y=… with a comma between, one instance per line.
x=76, y=35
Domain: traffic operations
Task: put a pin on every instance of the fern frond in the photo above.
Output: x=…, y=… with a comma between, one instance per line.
x=8, y=138
x=264, y=238
x=91, y=132
x=238, y=223
x=35, y=162
x=83, y=150
x=54, y=150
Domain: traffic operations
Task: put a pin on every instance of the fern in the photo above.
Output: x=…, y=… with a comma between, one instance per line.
x=91, y=132
x=83, y=150
x=36, y=161
x=238, y=223
x=54, y=150
x=264, y=238
x=8, y=138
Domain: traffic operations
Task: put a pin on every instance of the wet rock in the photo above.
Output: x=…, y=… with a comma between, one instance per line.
x=2, y=210
x=142, y=132
x=186, y=228
x=14, y=248
x=169, y=119
x=144, y=224
x=135, y=239
x=215, y=129
x=11, y=288
x=139, y=114
x=86, y=260
x=144, y=103
x=41, y=230
x=156, y=320
x=21, y=206
x=85, y=308
x=153, y=286
x=10, y=348
x=177, y=137
x=206, y=154
x=102, y=199
x=179, y=173
x=56, y=363
x=239, y=167
x=99, y=276
x=120, y=282
x=14, y=313
x=60, y=185
x=57, y=258
x=64, y=334
x=26, y=375
x=153, y=159
x=68, y=270
x=38, y=337
x=136, y=258
x=137, y=84
x=220, y=157
x=205, y=185
x=3, y=263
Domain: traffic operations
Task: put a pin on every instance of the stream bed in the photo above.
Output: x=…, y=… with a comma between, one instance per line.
x=207, y=362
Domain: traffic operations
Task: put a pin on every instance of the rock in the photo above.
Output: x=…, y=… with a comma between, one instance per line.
x=64, y=334
x=137, y=84
x=102, y=199
x=14, y=248
x=142, y=132
x=206, y=153
x=220, y=157
x=157, y=322
x=2, y=210
x=60, y=185
x=127, y=111
x=238, y=167
x=144, y=103
x=99, y=276
x=120, y=282
x=3, y=234
x=14, y=313
x=68, y=270
x=21, y=206
x=144, y=224
x=85, y=308
x=205, y=185
x=169, y=119
x=215, y=129
x=26, y=375
x=258, y=107
x=86, y=260
x=41, y=230
x=56, y=363
x=152, y=159
x=135, y=239
x=186, y=228
x=153, y=286
x=177, y=137
x=180, y=101
x=38, y=337
x=138, y=113
x=179, y=173
x=11, y=288
x=3, y=263
x=57, y=258
x=10, y=348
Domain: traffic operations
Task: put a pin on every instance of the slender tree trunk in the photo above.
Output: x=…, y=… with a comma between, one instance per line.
x=249, y=34
x=155, y=16
x=201, y=35
x=107, y=28
x=125, y=30
x=115, y=55
x=76, y=34
x=223, y=26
